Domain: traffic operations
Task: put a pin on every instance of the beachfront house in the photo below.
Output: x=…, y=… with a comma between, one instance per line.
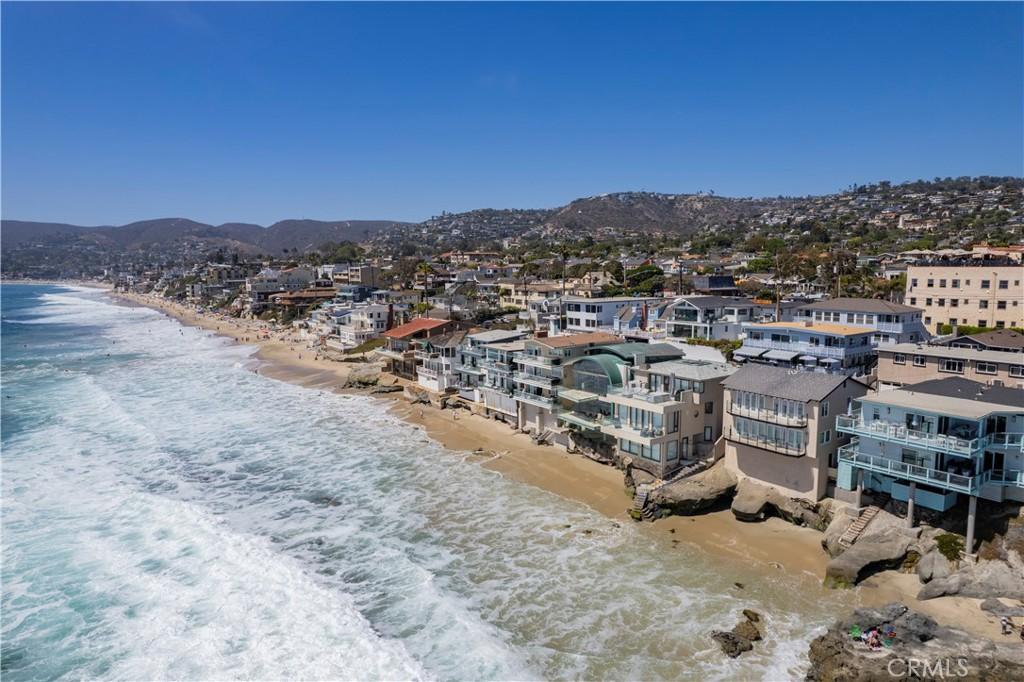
x=821, y=346
x=398, y=351
x=497, y=392
x=667, y=414
x=780, y=426
x=891, y=322
x=934, y=444
x=358, y=325
x=538, y=375
x=470, y=361
x=603, y=314
x=436, y=359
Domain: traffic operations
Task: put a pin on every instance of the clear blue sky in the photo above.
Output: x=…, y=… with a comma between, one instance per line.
x=258, y=112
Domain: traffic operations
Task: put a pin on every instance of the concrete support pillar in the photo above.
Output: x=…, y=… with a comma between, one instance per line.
x=972, y=512
x=859, y=501
x=910, y=504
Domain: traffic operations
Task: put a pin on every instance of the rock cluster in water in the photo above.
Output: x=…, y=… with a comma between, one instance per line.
x=742, y=637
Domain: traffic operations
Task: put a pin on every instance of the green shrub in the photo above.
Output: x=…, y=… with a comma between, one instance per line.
x=950, y=546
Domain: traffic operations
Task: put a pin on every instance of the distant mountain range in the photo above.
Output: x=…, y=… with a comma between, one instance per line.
x=303, y=235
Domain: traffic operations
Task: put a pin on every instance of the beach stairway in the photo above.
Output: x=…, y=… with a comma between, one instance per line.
x=640, y=509
x=851, y=534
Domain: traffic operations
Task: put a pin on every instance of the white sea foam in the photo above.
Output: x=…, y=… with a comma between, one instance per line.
x=184, y=518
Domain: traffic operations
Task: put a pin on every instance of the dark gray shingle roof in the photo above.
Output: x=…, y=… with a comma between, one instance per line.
x=860, y=305
x=785, y=383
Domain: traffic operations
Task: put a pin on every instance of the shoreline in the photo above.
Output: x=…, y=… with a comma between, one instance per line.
x=767, y=546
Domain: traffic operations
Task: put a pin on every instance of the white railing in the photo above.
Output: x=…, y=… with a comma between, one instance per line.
x=1004, y=477
x=912, y=472
x=534, y=379
x=537, y=360
x=898, y=433
x=644, y=432
x=803, y=347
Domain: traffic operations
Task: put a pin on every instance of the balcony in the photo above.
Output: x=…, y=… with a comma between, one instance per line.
x=1004, y=477
x=544, y=401
x=470, y=369
x=497, y=366
x=474, y=351
x=537, y=360
x=780, y=447
x=1009, y=441
x=766, y=415
x=897, y=433
x=909, y=472
x=804, y=348
x=535, y=379
x=619, y=429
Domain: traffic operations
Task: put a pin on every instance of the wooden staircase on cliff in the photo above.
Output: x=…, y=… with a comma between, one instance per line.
x=640, y=508
x=851, y=534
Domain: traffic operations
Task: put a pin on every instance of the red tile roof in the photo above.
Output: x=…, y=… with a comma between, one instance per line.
x=418, y=325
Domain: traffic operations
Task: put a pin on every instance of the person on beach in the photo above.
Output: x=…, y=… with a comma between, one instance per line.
x=1006, y=624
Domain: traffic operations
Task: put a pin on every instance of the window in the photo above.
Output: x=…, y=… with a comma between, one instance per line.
x=928, y=301
x=825, y=436
x=942, y=284
x=899, y=359
x=709, y=434
x=983, y=305
x=919, y=361
x=913, y=282
x=931, y=283
x=986, y=284
x=1017, y=370
x=1000, y=305
x=1000, y=324
x=951, y=366
x=913, y=300
x=1004, y=284
x=985, y=367
x=942, y=302
x=982, y=323
x=954, y=302
x=709, y=408
x=824, y=409
x=955, y=283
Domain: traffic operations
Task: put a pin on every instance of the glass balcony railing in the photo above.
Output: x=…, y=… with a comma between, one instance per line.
x=534, y=399
x=537, y=360
x=1004, y=477
x=898, y=433
x=767, y=415
x=781, y=447
x=535, y=379
x=946, y=480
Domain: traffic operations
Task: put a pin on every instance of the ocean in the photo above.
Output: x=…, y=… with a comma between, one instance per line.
x=170, y=514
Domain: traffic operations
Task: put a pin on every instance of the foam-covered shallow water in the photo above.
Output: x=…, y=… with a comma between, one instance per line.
x=169, y=514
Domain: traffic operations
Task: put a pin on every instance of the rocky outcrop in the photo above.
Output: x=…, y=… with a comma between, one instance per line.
x=983, y=580
x=363, y=376
x=933, y=566
x=742, y=637
x=867, y=556
x=755, y=502
x=835, y=529
x=998, y=608
x=907, y=637
x=415, y=394
x=696, y=493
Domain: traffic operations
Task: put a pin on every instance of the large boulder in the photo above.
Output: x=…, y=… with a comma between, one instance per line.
x=835, y=529
x=742, y=637
x=696, y=493
x=933, y=566
x=840, y=655
x=865, y=557
x=755, y=502
x=983, y=580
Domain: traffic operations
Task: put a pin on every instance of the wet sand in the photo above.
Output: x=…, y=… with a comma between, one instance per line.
x=771, y=545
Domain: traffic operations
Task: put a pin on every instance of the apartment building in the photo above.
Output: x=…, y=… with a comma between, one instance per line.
x=909, y=363
x=891, y=322
x=594, y=314
x=539, y=374
x=980, y=292
x=780, y=426
x=934, y=444
x=519, y=295
x=821, y=346
x=366, y=275
x=260, y=286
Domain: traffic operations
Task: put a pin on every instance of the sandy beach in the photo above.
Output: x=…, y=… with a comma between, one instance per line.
x=771, y=545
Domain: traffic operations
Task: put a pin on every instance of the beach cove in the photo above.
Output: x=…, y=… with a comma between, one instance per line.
x=768, y=547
